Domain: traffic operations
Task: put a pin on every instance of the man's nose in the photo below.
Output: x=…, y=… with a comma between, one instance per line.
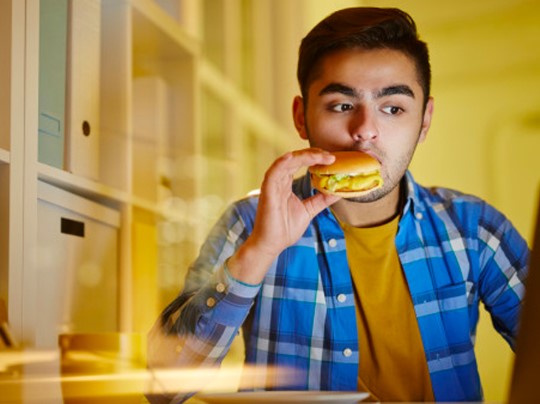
x=364, y=126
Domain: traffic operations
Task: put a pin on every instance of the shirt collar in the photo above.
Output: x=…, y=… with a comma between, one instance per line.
x=413, y=201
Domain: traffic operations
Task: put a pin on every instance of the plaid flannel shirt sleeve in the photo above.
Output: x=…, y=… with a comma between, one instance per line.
x=504, y=258
x=198, y=327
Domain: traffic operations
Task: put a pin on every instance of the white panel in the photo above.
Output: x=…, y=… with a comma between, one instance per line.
x=82, y=206
x=150, y=126
x=5, y=73
x=83, y=95
x=77, y=274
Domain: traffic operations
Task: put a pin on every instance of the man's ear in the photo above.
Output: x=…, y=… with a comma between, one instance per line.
x=426, y=120
x=299, y=117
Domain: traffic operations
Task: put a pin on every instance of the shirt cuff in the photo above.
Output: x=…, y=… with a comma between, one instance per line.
x=239, y=288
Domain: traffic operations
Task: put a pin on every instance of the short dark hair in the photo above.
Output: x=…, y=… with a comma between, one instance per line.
x=365, y=28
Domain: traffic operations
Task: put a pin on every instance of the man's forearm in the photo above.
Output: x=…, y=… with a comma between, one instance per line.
x=250, y=263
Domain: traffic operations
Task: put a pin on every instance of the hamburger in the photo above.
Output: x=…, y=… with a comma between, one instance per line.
x=352, y=174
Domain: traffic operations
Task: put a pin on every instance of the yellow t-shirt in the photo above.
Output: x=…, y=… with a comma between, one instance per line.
x=392, y=361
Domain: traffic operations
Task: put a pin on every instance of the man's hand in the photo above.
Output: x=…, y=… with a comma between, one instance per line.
x=281, y=217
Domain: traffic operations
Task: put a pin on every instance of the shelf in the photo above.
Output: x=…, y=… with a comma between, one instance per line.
x=159, y=41
x=160, y=162
x=249, y=113
x=162, y=27
x=82, y=186
x=4, y=156
x=102, y=193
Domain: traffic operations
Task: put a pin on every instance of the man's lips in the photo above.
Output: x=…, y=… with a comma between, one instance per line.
x=370, y=153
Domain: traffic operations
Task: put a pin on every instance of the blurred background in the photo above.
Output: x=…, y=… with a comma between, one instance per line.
x=193, y=102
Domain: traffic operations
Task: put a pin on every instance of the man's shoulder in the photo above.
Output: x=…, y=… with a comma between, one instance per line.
x=447, y=196
x=437, y=195
x=459, y=205
x=246, y=205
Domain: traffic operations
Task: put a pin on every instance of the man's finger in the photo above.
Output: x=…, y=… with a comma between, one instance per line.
x=317, y=203
x=311, y=156
x=291, y=162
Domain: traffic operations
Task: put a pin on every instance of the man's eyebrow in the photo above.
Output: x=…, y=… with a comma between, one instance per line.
x=339, y=88
x=397, y=89
x=383, y=92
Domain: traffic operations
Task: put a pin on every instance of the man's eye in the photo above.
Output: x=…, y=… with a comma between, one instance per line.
x=392, y=110
x=342, y=107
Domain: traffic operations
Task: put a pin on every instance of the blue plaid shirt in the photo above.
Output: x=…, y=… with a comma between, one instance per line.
x=455, y=251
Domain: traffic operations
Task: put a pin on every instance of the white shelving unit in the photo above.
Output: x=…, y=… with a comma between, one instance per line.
x=168, y=167
x=12, y=126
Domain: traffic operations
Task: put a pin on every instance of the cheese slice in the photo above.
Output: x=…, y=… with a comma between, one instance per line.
x=347, y=182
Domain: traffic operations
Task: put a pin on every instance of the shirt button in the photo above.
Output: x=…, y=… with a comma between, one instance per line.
x=210, y=302
x=341, y=298
x=332, y=242
x=347, y=352
x=419, y=216
x=220, y=287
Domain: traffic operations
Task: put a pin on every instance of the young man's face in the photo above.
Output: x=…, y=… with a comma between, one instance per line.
x=367, y=100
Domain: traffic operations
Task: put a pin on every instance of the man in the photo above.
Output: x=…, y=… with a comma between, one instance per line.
x=378, y=293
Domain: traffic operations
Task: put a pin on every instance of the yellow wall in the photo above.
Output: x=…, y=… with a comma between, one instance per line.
x=145, y=284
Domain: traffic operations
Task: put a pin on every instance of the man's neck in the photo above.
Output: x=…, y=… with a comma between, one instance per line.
x=369, y=214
